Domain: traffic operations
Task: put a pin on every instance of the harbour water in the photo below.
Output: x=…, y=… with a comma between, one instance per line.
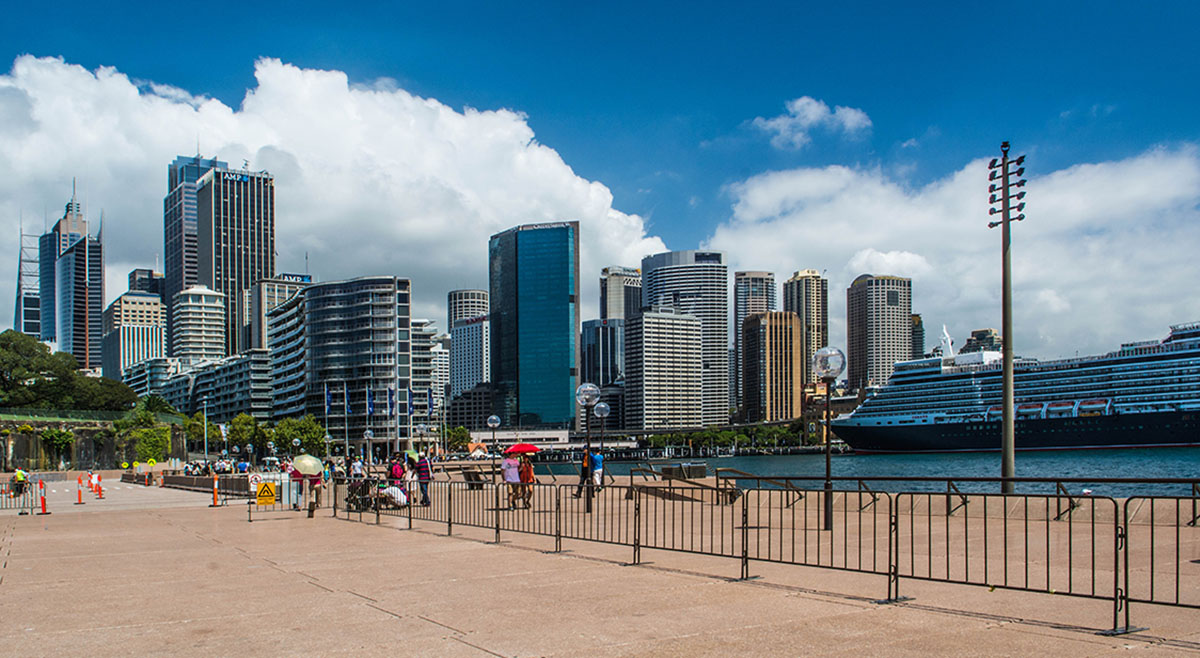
x=1149, y=463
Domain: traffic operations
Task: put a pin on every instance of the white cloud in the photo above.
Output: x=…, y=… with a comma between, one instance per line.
x=1104, y=256
x=793, y=130
x=370, y=178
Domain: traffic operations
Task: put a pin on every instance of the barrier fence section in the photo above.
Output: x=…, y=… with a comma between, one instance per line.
x=18, y=496
x=1144, y=550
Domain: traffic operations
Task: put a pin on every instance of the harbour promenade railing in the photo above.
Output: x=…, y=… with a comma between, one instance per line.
x=1142, y=549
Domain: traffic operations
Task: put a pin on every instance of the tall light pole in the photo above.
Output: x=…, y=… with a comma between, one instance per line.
x=827, y=364
x=587, y=394
x=204, y=401
x=1000, y=171
x=493, y=422
x=601, y=411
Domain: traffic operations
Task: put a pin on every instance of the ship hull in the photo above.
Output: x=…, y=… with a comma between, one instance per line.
x=1138, y=430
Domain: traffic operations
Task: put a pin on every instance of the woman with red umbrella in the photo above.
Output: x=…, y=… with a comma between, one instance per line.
x=524, y=490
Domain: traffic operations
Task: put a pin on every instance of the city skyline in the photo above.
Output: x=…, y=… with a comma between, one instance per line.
x=822, y=163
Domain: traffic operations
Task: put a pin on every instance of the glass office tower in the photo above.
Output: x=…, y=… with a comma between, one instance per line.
x=534, y=293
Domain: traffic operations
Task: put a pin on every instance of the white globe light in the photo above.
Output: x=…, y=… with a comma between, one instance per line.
x=493, y=422
x=602, y=410
x=828, y=362
x=587, y=394
x=296, y=442
x=368, y=434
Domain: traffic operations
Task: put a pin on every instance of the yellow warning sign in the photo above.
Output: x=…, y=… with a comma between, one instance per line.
x=150, y=462
x=265, y=494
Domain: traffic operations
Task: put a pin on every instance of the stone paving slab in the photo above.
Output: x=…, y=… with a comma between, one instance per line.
x=155, y=571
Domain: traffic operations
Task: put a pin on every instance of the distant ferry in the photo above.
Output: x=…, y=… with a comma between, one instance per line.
x=1142, y=395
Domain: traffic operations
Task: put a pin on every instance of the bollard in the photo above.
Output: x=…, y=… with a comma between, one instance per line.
x=42, y=491
x=79, y=492
x=215, y=503
x=100, y=492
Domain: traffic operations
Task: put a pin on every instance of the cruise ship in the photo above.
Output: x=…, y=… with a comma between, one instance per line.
x=1145, y=394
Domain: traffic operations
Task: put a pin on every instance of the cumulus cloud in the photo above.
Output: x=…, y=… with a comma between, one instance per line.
x=370, y=179
x=1101, y=258
x=805, y=114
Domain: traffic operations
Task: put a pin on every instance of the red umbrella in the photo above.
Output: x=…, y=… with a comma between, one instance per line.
x=522, y=449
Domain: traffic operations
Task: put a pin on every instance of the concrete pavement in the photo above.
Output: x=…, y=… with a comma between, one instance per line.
x=155, y=571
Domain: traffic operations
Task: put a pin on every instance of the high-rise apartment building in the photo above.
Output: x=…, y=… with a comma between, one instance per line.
x=198, y=316
x=464, y=305
x=263, y=296
x=180, y=256
x=235, y=240
x=470, y=354
x=663, y=370
x=135, y=330
x=983, y=340
x=696, y=283
x=424, y=334
x=440, y=374
x=753, y=292
x=772, y=351
x=918, y=336
x=878, y=328
x=602, y=351
x=620, y=292
x=79, y=288
x=534, y=295
x=806, y=294
x=66, y=232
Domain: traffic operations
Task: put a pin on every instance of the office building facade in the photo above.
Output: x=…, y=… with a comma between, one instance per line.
x=135, y=330
x=144, y=279
x=878, y=328
x=470, y=354
x=534, y=316
x=620, y=292
x=753, y=292
x=602, y=351
x=198, y=316
x=235, y=240
x=79, y=288
x=696, y=283
x=918, y=336
x=180, y=256
x=806, y=294
x=664, y=375
x=772, y=362
x=66, y=232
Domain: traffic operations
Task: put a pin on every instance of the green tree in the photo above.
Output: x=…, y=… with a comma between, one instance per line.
x=307, y=429
x=57, y=441
x=458, y=438
x=32, y=376
x=158, y=405
x=152, y=442
x=193, y=429
x=245, y=430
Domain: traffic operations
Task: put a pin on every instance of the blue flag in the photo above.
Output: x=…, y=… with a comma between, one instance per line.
x=410, y=402
x=391, y=401
x=370, y=402
x=347, y=399
x=328, y=400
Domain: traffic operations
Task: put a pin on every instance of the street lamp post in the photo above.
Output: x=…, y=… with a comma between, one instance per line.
x=493, y=422
x=422, y=428
x=367, y=436
x=295, y=447
x=1000, y=171
x=601, y=411
x=204, y=401
x=587, y=394
x=828, y=363
x=327, y=440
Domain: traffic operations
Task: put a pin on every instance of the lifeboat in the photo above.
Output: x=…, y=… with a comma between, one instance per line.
x=1031, y=409
x=996, y=411
x=1061, y=408
x=1094, y=407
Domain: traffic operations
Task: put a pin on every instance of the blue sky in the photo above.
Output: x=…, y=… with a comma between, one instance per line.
x=658, y=103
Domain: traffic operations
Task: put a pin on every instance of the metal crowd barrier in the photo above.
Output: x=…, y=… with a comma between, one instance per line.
x=23, y=502
x=1145, y=549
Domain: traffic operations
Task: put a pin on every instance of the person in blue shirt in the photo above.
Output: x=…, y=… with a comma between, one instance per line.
x=597, y=461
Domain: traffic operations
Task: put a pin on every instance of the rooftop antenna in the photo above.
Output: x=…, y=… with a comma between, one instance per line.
x=306, y=262
x=947, y=343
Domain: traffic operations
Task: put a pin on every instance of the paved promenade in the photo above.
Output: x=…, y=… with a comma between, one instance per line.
x=155, y=571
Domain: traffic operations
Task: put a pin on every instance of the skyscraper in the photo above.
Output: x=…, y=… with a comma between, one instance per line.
x=144, y=279
x=179, y=228
x=470, y=354
x=27, y=315
x=663, y=370
x=135, y=327
x=67, y=230
x=534, y=293
x=878, y=328
x=602, y=351
x=771, y=357
x=263, y=296
x=620, y=292
x=464, y=305
x=918, y=336
x=807, y=295
x=199, y=321
x=753, y=292
x=79, y=289
x=235, y=239
x=696, y=283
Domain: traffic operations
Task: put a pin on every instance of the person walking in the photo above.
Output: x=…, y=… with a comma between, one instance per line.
x=424, y=475
x=585, y=472
x=509, y=469
x=356, y=468
x=527, y=480
x=597, y=460
x=396, y=471
x=18, y=482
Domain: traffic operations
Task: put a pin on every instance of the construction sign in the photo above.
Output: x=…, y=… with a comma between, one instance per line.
x=265, y=493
